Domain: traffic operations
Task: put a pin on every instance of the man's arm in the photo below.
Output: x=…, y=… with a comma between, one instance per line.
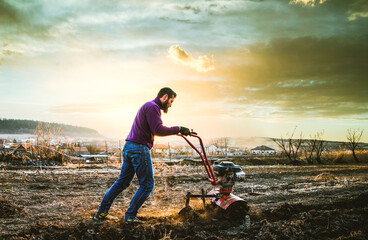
x=155, y=123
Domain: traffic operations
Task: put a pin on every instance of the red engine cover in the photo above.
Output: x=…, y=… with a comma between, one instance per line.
x=226, y=200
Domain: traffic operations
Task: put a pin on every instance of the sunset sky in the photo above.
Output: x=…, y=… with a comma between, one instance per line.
x=240, y=68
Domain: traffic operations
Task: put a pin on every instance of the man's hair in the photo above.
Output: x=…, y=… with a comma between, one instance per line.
x=170, y=93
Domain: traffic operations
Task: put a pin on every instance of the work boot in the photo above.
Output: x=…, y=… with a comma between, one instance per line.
x=103, y=216
x=133, y=221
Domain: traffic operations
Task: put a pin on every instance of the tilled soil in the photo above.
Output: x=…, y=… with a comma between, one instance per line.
x=286, y=202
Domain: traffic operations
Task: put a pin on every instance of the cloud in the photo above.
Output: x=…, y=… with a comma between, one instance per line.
x=181, y=57
x=311, y=3
x=187, y=21
x=356, y=15
x=305, y=77
x=81, y=108
x=5, y=54
x=195, y=10
x=358, y=9
x=8, y=13
x=24, y=18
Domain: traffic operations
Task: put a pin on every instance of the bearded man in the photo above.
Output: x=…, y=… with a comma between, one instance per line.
x=136, y=155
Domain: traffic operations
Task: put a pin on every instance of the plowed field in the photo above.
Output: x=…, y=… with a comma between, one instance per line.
x=286, y=202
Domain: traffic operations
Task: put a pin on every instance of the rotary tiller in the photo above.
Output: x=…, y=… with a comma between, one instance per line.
x=223, y=177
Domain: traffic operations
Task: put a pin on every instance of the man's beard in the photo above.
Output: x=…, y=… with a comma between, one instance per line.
x=165, y=106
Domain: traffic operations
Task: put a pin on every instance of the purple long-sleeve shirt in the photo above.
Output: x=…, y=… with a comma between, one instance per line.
x=148, y=123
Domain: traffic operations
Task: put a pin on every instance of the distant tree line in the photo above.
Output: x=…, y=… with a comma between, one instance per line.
x=294, y=148
x=19, y=126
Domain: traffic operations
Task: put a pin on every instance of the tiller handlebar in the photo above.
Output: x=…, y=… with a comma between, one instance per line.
x=206, y=163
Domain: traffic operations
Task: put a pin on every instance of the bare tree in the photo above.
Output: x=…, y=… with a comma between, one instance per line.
x=92, y=148
x=39, y=133
x=353, y=136
x=222, y=143
x=320, y=146
x=107, y=159
x=290, y=146
x=312, y=148
x=308, y=148
x=44, y=134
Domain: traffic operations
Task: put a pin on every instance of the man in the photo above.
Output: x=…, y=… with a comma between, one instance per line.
x=136, y=155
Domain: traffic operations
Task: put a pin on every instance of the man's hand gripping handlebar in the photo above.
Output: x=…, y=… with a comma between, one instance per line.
x=186, y=132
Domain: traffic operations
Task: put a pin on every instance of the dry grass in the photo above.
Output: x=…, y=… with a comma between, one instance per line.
x=345, y=156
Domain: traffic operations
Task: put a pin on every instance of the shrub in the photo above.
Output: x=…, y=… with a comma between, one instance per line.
x=338, y=157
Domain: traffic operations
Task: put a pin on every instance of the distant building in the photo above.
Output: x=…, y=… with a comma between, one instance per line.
x=7, y=148
x=161, y=148
x=236, y=151
x=187, y=150
x=262, y=150
x=26, y=145
x=20, y=150
x=164, y=149
x=213, y=150
x=101, y=149
x=78, y=151
x=64, y=148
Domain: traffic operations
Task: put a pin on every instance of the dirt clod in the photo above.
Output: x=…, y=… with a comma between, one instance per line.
x=188, y=214
x=325, y=177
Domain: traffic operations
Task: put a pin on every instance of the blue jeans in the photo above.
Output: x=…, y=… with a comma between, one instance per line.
x=137, y=160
